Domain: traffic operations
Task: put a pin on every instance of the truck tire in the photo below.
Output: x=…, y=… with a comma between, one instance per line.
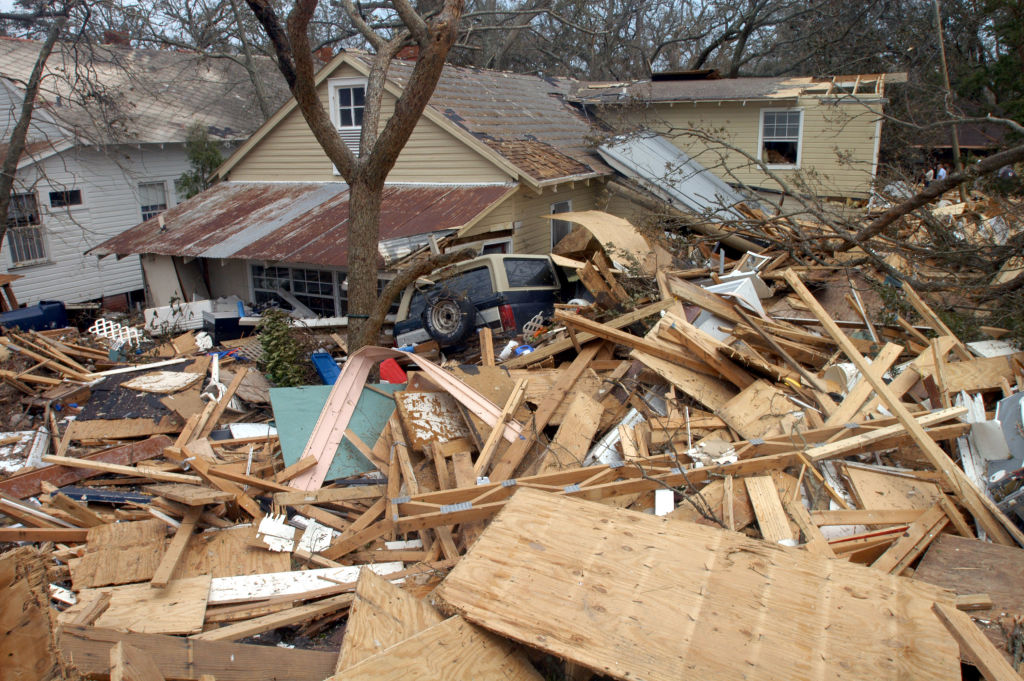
x=449, y=318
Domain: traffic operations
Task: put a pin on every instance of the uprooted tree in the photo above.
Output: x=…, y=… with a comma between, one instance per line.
x=380, y=144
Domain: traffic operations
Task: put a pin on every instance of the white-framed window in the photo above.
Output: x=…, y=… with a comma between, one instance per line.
x=781, y=137
x=348, y=101
x=25, y=231
x=152, y=199
x=319, y=290
x=560, y=228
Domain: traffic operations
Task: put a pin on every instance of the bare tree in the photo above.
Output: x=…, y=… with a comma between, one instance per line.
x=15, y=146
x=380, y=142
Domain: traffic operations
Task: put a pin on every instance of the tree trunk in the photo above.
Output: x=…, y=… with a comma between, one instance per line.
x=363, y=236
x=16, y=142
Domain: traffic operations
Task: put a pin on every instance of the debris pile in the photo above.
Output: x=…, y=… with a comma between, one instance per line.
x=678, y=486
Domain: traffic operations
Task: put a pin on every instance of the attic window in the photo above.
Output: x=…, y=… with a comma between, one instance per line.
x=348, y=100
x=781, y=130
x=66, y=197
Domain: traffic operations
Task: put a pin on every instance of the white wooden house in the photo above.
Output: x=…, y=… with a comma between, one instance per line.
x=104, y=149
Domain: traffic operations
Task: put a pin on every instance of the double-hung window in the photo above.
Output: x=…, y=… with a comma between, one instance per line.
x=152, y=199
x=780, y=137
x=348, y=100
x=24, y=230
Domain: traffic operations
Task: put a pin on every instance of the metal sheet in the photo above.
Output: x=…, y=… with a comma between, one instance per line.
x=671, y=174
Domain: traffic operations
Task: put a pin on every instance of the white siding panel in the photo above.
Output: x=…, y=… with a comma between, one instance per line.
x=108, y=178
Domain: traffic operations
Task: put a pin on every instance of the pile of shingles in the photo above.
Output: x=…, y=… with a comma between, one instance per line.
x=645, y=496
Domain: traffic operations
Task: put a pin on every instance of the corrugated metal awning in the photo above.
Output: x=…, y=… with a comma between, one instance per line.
x=296, y=222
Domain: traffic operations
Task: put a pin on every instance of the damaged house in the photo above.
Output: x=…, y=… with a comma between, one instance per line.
x=106, y=144
x=493, y=157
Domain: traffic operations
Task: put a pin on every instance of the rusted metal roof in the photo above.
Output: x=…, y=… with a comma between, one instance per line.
x=295, y=222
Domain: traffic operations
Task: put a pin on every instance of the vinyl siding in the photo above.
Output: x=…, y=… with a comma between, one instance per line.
x=838, y=142
x=108, y=178
x=534, y=233
x=289, y=152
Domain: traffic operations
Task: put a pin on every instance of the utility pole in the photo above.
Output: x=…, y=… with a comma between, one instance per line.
x=957, y=163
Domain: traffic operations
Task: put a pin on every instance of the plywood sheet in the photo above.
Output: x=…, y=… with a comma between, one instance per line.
x=26, y=642
x=178, y=608
x=120, y=553
x=452, y=650
x=429, y=417
x=759, y=411
x=227, y=553
x=381, y=616
x=640, y=597
x=878, y=491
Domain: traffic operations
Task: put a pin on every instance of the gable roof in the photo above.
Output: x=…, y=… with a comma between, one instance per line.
x=521, y=122
x=296, y=222
x=119, y=94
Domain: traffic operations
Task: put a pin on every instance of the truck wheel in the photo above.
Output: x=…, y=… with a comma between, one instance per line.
x=449, y=318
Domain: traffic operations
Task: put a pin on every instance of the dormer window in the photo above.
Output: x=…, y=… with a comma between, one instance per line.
x=348, y=97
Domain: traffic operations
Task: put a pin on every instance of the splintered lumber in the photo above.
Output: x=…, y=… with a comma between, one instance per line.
x=381, y=616
x=29, y=484
x=596, y=585
x=26, y=639
x=979, y=649
x=119, y=553
x=128, y=663
x=984, y=510
x=179, y=608
x=452, y=650
x=87, y=649
x=552, y=349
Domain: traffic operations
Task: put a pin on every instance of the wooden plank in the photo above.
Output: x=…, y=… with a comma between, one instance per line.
x=913, y=542
x=26, y=639
x=575, y=435
x=178, y=608
x=712, y=392
x=190, y=495
x=511, y=458
x=759, y=411
x=176, y=548
x=128, y=663
x=974, y=602
x=29, y=484
x=249, y=588
x=490, y=447
x=771, y=517
x=984, y=510
x=329, y=495
x=258, y=625
x=979, y=649
x=120, y=553
x=452, y=650
x=865, y=517
x=93, y=610
x=135, y=471
x=933, y=320
x=41, y=534
x=222, y=403
x=429, y=417
x=862, y=390
x=814, y=541
x=84, y=517
x=301, y=466
x=381, y=616
x=87, y=649
x=879, y=491
x=766, y=605
x=486, y=347
x=552, y=349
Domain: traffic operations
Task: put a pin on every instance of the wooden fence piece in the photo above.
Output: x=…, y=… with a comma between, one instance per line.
x=981, y=507
x=727, y=592
x=381, y=616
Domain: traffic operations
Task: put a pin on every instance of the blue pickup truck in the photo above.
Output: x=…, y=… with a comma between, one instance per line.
x=502, y=291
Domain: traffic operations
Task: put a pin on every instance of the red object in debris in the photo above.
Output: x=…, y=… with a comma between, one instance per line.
x=391, y=372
